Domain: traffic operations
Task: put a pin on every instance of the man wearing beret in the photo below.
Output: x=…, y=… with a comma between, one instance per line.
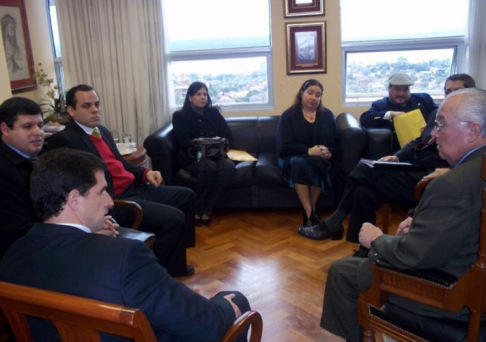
x=399, y=101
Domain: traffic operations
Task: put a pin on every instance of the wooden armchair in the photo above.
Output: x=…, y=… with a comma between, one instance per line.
x=133, y=233
x=431, y=287
x=82, y=319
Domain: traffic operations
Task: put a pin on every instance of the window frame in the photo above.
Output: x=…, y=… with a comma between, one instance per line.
x=198, y=55
x=455, y=42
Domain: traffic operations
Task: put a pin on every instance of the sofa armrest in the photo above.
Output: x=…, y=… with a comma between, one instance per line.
x=352, y=141
x=161, y=149
x=380, y=143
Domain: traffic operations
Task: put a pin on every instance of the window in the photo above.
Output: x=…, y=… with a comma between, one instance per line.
x=223, y=43
x=381, y=37
x=56, y=43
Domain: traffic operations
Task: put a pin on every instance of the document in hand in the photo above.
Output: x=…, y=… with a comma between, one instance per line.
x=239, y=155
x=391, y=165
x=408, y=126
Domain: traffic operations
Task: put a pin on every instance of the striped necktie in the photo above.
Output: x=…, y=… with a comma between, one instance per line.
x=96, y=133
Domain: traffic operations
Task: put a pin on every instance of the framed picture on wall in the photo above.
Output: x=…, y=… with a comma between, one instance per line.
x=16, y=43
x=306, y=48
x=301, y=8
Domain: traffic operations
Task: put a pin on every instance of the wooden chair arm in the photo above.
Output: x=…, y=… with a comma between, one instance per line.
x=404, y=284
x=250, y=318
x=420, y=187
x=135, y=207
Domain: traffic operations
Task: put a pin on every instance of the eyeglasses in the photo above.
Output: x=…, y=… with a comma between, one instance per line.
x=440, y=126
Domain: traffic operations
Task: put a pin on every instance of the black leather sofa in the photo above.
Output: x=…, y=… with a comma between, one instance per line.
x=260, y=184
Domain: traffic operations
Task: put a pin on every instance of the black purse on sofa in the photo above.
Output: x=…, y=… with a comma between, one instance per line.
x=212, y=148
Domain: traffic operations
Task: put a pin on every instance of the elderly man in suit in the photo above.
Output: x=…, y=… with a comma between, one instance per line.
x=169, y=211
x=444, y=231
x=69, y=192
x=398, y=102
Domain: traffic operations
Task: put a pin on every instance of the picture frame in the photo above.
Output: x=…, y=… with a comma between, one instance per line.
x=306, y=48
x=302, y=8
x=16, y=43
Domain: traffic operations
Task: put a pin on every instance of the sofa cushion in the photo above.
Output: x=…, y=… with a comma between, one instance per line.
x=267, y=173
x=243, y=176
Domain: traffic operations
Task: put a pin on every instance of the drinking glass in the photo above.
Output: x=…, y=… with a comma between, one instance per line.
x=127, y=139
x=115, y=135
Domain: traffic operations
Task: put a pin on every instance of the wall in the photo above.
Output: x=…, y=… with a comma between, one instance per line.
x=285, y=86
x=41, y=49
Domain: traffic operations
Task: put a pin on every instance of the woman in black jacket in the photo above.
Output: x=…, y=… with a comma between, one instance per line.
x=198, y=118
x=306, y=141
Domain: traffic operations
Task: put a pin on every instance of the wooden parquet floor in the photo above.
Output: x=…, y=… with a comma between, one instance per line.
x=260, y=254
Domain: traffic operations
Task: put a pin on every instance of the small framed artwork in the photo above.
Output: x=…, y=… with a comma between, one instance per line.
x=302, y=8
x=306, y=48
x=16, y=43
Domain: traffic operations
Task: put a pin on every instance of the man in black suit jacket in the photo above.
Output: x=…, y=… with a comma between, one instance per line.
x=169, y=211
x=68, y=191
x=22, y=137
x=399, y=101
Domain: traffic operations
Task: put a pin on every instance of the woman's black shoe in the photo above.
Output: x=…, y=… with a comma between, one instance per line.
x=315, y=218
x=198, y=222
x=310, y=221
x=206, y=222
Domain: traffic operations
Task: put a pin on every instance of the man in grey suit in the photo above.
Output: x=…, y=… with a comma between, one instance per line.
x=69, y=193
x=444, y=232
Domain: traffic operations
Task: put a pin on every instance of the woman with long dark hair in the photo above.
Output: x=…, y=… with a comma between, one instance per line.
x=198, y=118
x=306, y=140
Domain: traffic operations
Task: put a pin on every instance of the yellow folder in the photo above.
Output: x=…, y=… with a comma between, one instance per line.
x=408, y=126
x=239, y=155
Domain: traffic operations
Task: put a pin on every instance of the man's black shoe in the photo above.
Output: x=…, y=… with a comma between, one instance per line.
x=362, y=252
x=320, y=232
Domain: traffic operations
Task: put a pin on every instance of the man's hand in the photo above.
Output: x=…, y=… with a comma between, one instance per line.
x=110, y=227
x=404, y=226
x=368, y=233
x=154, y=178
x=389, y=159
x=393, y=114
x=437, y=172
x=235, y=307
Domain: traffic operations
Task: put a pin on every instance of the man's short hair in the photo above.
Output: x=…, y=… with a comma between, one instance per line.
x=14, y=106
x=56, y=174
x=71, y=94
x=474, y=107
x=467, y=79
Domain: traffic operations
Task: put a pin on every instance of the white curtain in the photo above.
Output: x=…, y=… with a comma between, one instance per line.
x=116, y=46
x=477, y=42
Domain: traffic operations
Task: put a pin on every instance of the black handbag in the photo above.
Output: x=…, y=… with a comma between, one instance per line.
x=212, y=148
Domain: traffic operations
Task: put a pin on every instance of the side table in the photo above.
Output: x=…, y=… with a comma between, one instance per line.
x=137, y=157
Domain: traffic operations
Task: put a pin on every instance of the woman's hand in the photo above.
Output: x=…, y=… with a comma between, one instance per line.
x=320, y=150
x=325, y=153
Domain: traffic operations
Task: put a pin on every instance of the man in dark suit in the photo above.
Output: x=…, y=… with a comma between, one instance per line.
x=444, y=231
x=169, y=211
x=22, y=137
x=398, y=102
x=369, y=188
x=69, y=192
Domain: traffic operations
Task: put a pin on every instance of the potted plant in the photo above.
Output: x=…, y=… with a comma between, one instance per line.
x=53, y=108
